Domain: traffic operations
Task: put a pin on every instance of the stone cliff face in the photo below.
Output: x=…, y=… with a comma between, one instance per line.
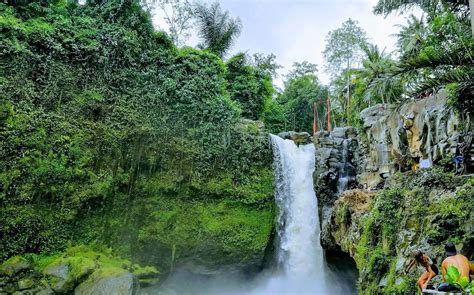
x=416, y=211
x=336, y=155
x=376, y=209
x=420, y=132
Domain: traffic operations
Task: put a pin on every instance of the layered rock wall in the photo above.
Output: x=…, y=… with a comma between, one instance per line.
x=418, y=133
x=379, y=205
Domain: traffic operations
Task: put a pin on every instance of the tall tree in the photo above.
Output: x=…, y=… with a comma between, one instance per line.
x=266, y=63
x=302, y=90
x=178, y=17
x=344, y=51
x=429, y=6
x=216, y=28
x=301, y=69
x=379, y=85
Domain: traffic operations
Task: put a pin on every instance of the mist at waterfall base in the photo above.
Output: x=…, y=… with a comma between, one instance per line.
x=299, y=264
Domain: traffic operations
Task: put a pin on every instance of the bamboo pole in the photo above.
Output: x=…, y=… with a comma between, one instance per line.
x=329, y=113
x=315, y=118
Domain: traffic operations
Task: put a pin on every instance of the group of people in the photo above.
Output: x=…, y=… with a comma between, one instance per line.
x=465, y=268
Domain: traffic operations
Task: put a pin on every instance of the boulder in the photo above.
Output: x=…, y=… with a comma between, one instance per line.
x=297, y=137
x=109, y=281
x=13, y=266
x=64, y=274
x=60, y=278
x=26, y=283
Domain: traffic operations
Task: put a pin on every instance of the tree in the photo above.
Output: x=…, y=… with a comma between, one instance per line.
x=216, y=28
x=178, y=17
x=432, y=7
x=302, y=69
x=386, y=7
x=248, y=85
x=379, y=85
x=411, y=36
x=344, y=51
x=302, y=90
x=266, y=63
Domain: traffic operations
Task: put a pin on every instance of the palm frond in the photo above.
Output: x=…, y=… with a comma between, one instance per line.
x=216, y=28
x=386, y=7
x=464, y=76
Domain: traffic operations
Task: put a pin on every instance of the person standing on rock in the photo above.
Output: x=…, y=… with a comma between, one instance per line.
x=431, y=270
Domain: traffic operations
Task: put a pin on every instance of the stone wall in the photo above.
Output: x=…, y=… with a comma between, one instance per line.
x=382, y=230
x=336, y=170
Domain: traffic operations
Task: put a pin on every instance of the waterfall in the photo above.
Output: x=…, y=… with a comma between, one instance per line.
x=300, y=266
x=343, y=175
x=299, y=253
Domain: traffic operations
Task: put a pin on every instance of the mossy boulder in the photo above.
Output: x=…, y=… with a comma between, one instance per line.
x=81, y=269
x=13, y=266
x=206, y=237
x=26, y=283
x=65, y=273
x=111, y=280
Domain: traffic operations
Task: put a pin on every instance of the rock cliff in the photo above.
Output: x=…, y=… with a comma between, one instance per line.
x=377, y=201
x=416, y=211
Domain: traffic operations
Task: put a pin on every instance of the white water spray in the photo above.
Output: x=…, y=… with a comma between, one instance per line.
x=299, y=252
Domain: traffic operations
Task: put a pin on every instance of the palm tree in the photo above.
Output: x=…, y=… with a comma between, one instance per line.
x=376, y=74
x=216, y=28
x=386, y=7
x=411, y=36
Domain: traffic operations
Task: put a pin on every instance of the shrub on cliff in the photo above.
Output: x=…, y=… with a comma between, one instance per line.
x=101, y=114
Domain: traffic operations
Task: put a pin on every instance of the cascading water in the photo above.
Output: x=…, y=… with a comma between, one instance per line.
x=344, y=177
x=299, y=252
x=301, y=268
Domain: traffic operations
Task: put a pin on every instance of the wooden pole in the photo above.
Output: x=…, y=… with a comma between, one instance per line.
x=315, y=119
x=329, y=113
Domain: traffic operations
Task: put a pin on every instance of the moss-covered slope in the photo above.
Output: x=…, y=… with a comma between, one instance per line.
x=421, y=210
x=111, y=135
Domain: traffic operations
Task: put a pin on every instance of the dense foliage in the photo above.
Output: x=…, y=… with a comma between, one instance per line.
x=105, y=122
x=435, y=51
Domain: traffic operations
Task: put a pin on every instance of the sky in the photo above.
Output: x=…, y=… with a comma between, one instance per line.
x=295, y=30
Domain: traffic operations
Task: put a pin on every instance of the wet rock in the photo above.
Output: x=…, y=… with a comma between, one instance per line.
x=297, y=137
x=60, y=278
x=64, y=274
x=109, y=281
x=147, y=276
x=383, y=282
x=346, y=217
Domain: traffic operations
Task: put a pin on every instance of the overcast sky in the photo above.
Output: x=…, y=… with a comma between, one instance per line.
x=295, y=30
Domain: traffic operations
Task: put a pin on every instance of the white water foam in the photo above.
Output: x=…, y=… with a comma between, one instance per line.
x=299, y=253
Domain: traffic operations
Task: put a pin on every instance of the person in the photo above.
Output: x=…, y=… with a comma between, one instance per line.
x=431, y=270
x=459, y=261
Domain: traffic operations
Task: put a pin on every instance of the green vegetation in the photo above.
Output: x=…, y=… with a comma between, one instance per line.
x=434, y=52
x=432, y=204
x=111, y=135
x=216, y=28
x=454, y=277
